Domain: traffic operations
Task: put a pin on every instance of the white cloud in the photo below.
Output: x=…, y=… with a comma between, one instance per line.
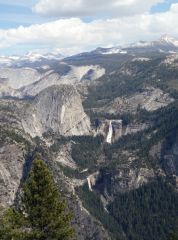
x=76, y=35
x=78, y=8
x=174, y=7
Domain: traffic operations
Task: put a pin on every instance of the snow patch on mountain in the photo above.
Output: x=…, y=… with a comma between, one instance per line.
x=164, y=41
x=34, y=57
x=169, y=40
x=141, y=59
x=171, y=60
x=107, y=51
x=31, y=57
x=140, y=44
x=115, y=51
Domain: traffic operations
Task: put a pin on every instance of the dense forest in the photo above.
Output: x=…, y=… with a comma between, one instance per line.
x=149, y=212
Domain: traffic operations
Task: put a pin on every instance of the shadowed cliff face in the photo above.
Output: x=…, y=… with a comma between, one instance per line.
x=59, y=109
x=169, y=154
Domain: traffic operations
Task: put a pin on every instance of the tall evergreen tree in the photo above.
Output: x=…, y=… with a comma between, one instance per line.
x=44, y=214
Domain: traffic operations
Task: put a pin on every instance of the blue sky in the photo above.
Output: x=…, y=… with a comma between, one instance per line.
x=87, y=23
x=162, y=7
x=15, y=13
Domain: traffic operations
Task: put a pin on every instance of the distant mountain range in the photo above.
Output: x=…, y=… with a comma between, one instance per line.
x=166, y=44
x=28, y=58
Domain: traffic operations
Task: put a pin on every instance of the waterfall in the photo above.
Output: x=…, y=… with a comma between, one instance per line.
x=89, y=184
x=110, y=133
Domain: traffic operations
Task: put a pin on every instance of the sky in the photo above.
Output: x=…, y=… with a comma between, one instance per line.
x=73, y=26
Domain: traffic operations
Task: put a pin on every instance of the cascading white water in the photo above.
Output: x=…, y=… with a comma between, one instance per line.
x=110, y=133
x=89, y=184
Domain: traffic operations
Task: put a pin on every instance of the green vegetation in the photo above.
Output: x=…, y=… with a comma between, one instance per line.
x=163, y=126
x=174, y=236
x=92, y=152
x=147, y=213
x=58, y=143
x=86, y=150
x=42, y=215
x=173, y=84
x=74, y=173
x=11, y=135
x=98, y=116
x=109, y=62
x=110, y=87
x=94, y=205
x=142, y=74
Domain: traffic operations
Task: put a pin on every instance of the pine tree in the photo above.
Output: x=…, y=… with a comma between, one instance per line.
x=44, y=214
x=174, y=236
x=14, y=226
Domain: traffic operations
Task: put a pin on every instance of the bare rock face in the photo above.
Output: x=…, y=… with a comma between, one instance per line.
x=73, y=76
x=18, y=77
x=21, y=82
x=130, y=179
x=59, y=109
x=11, y=171
x=122, y=180
x=150, y=99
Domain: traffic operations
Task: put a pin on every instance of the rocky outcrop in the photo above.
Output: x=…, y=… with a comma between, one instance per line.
x=58, y=109
x=22, y=82
x=122, y=180
x=74, y=75
x=19, y=77
x=64, y=157
x=169, y=154
x=149, y=99
x=112, y=130
x=11, y=171
x=134, y=128
x=130, y=179
x=86, y=226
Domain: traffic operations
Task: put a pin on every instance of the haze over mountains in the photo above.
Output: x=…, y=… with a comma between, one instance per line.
x=165, y=44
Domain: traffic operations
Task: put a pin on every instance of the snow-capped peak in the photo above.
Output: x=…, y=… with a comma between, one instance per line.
x=140, y=44
x=163, y=43
x=30, y=57
x=112, y=50
x=35, y=56
x=169, y=40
